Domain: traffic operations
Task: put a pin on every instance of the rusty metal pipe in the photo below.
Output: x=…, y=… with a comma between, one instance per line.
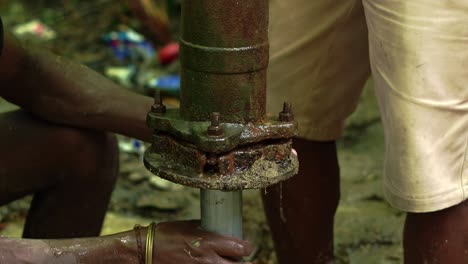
x=221, y=139
x=224, y=58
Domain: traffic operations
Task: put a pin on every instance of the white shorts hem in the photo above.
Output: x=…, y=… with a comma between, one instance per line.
x=425, y=205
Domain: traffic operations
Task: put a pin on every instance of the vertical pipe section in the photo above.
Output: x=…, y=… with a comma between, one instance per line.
x=224, y=58
x=221, y=212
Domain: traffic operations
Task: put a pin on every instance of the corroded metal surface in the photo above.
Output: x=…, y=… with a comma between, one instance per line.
x=221, y=137
x=252, y=167
x=224, y=57
x=234, y=135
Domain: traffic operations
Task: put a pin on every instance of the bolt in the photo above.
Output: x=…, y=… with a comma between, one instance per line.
x=215, y=130
x=215, y=119
x=286, y=115
x=158, y=106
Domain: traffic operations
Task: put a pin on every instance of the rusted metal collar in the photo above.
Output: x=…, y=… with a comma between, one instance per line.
x=221, y=137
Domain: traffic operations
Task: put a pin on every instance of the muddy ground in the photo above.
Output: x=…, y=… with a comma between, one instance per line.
x=367, y=229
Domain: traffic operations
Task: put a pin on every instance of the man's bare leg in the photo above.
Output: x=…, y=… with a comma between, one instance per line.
x=301, y=211
x=71, y=171
x=438, y=237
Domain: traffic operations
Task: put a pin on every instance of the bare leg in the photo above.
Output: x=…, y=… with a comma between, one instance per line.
x=301, y=211
x=438, y=237
x=71, y=171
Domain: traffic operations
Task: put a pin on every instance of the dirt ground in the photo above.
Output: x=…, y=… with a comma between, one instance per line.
x=367, y=229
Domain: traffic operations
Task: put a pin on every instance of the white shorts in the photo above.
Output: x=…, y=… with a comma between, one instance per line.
x=321, y=55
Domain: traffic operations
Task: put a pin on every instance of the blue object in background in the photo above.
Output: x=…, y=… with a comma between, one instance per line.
x=138, y=148
x=134, y=146
x=169, y=84
x=129, y=44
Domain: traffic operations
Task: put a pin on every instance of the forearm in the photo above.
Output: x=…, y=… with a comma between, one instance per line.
x=64, y=92
x=11, y=58
x=115, y=249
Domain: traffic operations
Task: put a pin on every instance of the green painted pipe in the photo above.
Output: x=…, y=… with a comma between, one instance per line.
x=224, y=58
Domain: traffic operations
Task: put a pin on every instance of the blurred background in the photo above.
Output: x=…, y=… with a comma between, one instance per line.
x=135, y=44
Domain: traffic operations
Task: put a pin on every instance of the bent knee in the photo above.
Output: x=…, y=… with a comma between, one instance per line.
x=90, y=153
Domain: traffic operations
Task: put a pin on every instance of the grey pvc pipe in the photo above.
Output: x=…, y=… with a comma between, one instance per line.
x=221, y=212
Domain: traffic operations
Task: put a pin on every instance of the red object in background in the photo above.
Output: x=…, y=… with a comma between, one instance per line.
x=169, y=53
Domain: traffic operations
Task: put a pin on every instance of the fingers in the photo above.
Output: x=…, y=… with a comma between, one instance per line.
x=215, y=259
x=208, y=256
x=226, y=261
x=223, y=245
x=229, y=246
x=294, y=152
x=192, y=223
x=199, y=240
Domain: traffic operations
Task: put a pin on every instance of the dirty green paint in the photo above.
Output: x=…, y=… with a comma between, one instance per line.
x=224, y=57
x=235, y=135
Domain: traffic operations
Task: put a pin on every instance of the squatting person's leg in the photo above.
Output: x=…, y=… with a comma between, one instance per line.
x=419, y=60
x=319, y=62
x=70, y=171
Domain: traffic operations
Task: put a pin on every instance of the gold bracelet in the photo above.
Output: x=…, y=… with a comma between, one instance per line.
x=149, y=244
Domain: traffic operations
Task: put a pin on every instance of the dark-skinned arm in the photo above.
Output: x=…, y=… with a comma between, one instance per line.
x=64, y=92
x=174, y=243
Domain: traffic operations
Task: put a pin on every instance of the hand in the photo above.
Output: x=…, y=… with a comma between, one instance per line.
x=294, y=152
x=185, y=242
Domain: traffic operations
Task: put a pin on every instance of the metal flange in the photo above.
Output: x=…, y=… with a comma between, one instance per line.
x=221, y=137
x=234, y=134
x=251, y=167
